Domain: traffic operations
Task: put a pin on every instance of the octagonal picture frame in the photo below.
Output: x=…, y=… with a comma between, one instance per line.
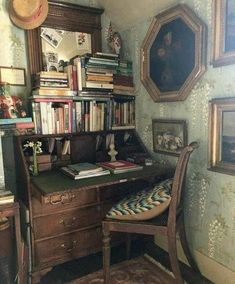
x=173, y=54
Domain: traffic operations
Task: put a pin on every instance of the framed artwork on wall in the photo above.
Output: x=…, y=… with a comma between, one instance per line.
x=173, y=54
x=169, y=136
x=223, y=33
x=222, y=136
x=13, y=76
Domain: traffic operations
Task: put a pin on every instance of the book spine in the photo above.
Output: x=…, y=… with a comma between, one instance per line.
x=92, y=114
x=43, y=113
x=92, y=84
x=74, y=117
x=78, y=116
x=34, y=116
x=49, y=118
x=66, y=118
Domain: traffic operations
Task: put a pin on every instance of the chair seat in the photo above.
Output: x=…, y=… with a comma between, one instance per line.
x=145, y=204
x=160, y=220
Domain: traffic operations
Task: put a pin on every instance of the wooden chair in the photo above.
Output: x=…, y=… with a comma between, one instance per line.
x=168, y=223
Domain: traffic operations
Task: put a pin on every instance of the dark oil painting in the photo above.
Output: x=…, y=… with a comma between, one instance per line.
x=172, y=55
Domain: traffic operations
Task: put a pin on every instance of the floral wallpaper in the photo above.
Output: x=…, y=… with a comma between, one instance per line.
x=210, y=196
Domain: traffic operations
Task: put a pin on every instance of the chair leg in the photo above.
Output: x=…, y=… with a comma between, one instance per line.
x=106, y=253
x=128, y=245
x=172, y=250
x=184, y=244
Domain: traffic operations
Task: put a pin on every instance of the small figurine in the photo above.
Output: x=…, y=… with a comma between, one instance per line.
x=114, y=40
x=112, y=153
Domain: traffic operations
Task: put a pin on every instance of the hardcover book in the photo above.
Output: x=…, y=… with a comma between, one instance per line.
x=84, y=170
x=120, y=166
x=15, y=120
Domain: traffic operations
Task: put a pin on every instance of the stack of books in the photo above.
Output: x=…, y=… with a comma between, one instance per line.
x=6, y=197
x=123, y=80
x=95, y=72
x=18, y=126
x=120, y=166
x=84, y=170
x=51, y=83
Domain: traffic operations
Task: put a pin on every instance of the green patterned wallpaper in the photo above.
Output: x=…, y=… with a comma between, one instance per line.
x=210, y=197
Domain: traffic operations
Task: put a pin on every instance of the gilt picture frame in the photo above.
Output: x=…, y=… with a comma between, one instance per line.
x=173, y=54
x=169, y=136
x=221, y=145
x=223, y=51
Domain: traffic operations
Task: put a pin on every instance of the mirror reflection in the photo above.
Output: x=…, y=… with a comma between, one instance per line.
x=59, y=46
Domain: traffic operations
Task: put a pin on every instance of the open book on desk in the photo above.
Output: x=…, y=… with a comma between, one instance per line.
x=84, y=170
x=120, y=166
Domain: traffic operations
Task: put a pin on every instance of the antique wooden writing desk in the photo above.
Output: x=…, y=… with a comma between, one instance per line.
x=66, y=214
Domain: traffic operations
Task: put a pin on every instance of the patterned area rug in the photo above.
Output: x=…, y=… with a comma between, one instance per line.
x=140, y=270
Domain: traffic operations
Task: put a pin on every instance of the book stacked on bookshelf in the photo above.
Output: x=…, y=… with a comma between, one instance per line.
x=52, y=115
x=91, y=115
x=15, y=120
x=51, y=83
x=71, y=71
x=123, y=112
x=95, y=72
x=84, y=170
x=6, y=196
x=123, y=80
x=120, y=166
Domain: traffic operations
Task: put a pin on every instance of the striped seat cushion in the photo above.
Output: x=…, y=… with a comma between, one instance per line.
x=146, y=204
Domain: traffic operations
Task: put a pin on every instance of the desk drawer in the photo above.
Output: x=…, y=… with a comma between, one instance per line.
x=66, y=221
x=67, y=247
x=58, y=202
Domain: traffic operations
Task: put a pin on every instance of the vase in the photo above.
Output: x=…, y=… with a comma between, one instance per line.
x=35, y=163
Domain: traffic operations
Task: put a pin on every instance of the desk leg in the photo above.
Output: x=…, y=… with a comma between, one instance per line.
x=18, y=246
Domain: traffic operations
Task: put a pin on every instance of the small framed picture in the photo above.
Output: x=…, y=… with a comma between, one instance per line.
x=169, y=136
x=223, y=52
x=51, y=36
x=12, y=76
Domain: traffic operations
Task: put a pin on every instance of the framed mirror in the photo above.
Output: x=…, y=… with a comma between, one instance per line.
x=173, y=54
x=222, y=136
x=65, y=23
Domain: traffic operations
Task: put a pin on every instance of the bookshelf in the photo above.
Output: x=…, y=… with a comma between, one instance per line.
x=93, y=93
x=77, y=113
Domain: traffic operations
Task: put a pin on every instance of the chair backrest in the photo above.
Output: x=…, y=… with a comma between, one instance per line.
x=178, y=182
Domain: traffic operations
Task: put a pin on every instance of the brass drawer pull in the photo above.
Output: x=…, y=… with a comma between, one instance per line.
x=68, y=225
x=63, y=198
x=70, y=248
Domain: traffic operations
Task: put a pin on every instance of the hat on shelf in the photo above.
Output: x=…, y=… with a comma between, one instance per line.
x=28, y=14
